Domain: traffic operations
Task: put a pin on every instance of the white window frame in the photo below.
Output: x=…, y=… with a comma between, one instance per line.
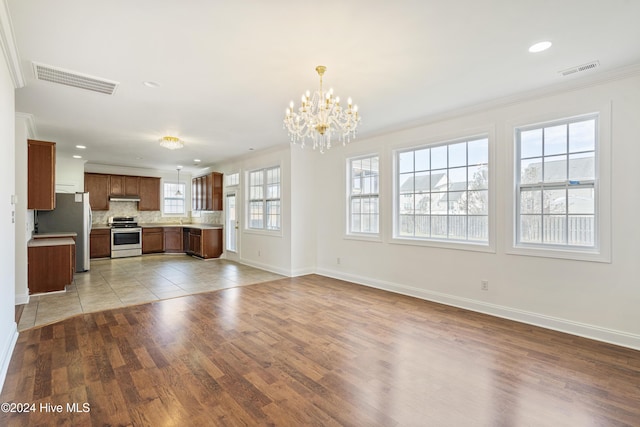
x=264, y=200
x=183, y=198
x=232, y=179
x=601, y=252
x=467, y=245
x=350, y=197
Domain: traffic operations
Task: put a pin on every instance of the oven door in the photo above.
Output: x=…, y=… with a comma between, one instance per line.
x=126, y=242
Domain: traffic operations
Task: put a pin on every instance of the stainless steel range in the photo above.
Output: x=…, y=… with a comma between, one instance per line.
x=126, y=236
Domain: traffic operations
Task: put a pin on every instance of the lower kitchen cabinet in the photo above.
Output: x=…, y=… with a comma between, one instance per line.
x=100, y=243
x=152, y=240
x=203, y=243
x=173, y=239
x=51, y=264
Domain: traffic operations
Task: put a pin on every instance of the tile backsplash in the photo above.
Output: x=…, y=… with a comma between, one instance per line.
x=147, y=217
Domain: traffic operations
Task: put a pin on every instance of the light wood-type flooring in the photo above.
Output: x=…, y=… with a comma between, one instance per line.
x=315, y=351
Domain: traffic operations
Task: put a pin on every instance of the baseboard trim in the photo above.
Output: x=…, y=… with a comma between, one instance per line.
x=593, y=332
x=266, y=267
x=22, y=299
x=6, y=351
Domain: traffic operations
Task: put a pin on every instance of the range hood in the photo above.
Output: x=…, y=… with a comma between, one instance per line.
x=124, y=198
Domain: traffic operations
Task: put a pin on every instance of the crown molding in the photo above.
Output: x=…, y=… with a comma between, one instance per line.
x=9, y=48
x=30, y=123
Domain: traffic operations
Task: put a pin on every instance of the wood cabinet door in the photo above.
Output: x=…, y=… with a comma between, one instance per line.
x=208, y=193
x=131, y=185
x=100, y=244
x=149, y=194
x=97, y=185
x=211, y=243
x=41, y=172
x=116, y=185
x=152, y=240
x=173, y=239
x=217, y=191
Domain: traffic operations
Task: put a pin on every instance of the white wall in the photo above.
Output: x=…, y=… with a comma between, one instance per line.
x=69, y=174
x=594, y=299
x=8, y=328
x=268, y=250
x=24, y=217
x=303, y=210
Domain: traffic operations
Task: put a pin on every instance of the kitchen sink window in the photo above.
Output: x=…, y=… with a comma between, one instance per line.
x=174, y=198
x=264, y=199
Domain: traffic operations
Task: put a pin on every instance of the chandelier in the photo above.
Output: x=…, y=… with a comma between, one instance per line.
x=321, y=117
x=171, y=142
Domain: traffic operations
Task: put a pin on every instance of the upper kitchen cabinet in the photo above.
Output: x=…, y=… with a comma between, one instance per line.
x=41, y=184
x=121, y=185
x=149, y=194
x=131, y=185
x=98, y=187
x=207, y=192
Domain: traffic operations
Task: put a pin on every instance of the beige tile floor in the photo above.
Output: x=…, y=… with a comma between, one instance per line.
x=114, y=283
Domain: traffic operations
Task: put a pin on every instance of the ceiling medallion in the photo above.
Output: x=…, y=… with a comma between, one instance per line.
x=320, y=117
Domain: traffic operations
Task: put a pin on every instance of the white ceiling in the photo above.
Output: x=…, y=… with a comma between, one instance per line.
x=228, y=69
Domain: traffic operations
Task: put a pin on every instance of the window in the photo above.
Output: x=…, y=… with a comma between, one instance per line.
x=556, y=189
x=364, y=205
x=173, y=198
x=442, y=192
x=232, y=179
x=264, y=199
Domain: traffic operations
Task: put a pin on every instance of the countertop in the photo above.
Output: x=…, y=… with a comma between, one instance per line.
x=57, y=234
x=159, y=224
x=51, y=242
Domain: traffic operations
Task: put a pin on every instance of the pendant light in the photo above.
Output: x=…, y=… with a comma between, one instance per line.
x=178, y=192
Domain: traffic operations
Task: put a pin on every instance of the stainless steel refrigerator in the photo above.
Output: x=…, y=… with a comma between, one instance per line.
x=72, y=213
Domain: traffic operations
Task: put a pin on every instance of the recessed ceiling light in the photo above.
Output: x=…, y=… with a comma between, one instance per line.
x=149, y=83
x=196, y=160
x=539, y=47
x=77, y=157
x=82, y=147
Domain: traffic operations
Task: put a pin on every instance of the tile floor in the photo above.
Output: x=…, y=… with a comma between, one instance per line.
x=114, y=283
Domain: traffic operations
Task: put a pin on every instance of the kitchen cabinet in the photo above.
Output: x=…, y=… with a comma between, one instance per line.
x=173, y=239
x=100, y=243
x=131, y=185
x=98, y=187
x=149, y=194
x=116, y=185
x=203, y=243
x=206, y=192
x=51, y=264
x=41, y=172
x=123, y=185
x=152, y=240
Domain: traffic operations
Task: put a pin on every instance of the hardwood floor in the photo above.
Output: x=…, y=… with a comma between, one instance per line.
x=315, y=351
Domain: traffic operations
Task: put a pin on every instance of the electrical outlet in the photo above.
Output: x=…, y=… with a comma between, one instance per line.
x=484, y=285
x=258, y=252
x=338, y=260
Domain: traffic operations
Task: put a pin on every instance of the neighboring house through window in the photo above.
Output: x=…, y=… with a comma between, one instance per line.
x=364, y=203
x=442, y=192
x=556, y=184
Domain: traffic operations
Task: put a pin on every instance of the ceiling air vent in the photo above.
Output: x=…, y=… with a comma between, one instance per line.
x=71, y=78
x=579, y=68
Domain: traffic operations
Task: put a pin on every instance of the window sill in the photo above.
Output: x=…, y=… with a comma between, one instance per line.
x=442, y=244
x=592, y=255
x=364, y=237
x=272, y=233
